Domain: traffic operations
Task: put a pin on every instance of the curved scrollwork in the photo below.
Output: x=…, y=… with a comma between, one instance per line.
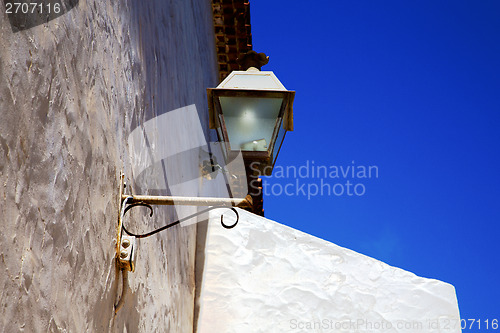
x=126, y=208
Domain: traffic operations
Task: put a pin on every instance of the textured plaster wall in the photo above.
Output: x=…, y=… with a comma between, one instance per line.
x=262, y=276
x=71, y=92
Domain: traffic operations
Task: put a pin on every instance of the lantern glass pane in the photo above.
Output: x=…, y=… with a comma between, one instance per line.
x=250, y=122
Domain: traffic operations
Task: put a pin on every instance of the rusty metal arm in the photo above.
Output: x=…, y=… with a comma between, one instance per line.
x=184, y=201
x=126, y=246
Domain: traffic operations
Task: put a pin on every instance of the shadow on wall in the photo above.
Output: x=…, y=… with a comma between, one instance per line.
x=128, y=316
x=170, y=154
x=101, y=312
x=26, y=15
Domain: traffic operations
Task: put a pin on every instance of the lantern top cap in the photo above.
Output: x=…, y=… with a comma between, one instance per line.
x=253, y=80
x=252, y=59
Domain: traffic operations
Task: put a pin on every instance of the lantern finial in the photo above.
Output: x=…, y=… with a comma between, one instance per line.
x=252, y=59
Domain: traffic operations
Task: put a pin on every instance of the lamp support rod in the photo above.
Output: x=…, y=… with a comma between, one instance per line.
x=125, y=240
x=182, y=201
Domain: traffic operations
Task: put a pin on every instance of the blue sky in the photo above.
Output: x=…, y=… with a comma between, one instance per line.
x=413, y=88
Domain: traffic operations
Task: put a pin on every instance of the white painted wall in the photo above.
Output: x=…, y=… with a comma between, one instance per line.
x=262, y=276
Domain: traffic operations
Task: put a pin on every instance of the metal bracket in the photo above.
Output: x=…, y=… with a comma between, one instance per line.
x=126, y=246
x=128, y=250
x=123, y=263
x=126, y=242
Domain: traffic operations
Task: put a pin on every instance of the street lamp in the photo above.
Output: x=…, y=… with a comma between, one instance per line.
x=251, y=111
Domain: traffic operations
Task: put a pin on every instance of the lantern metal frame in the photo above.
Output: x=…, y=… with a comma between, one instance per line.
x=263, y=160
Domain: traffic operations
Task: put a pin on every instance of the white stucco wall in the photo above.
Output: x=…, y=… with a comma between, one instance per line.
x=262, y=276
x=71, y=92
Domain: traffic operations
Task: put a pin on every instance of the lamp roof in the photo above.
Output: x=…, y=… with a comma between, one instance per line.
x=252, y=79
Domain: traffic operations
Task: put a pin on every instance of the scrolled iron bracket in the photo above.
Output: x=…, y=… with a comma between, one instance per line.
x=125, y=251
x=172, y=224
x=126, y=245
